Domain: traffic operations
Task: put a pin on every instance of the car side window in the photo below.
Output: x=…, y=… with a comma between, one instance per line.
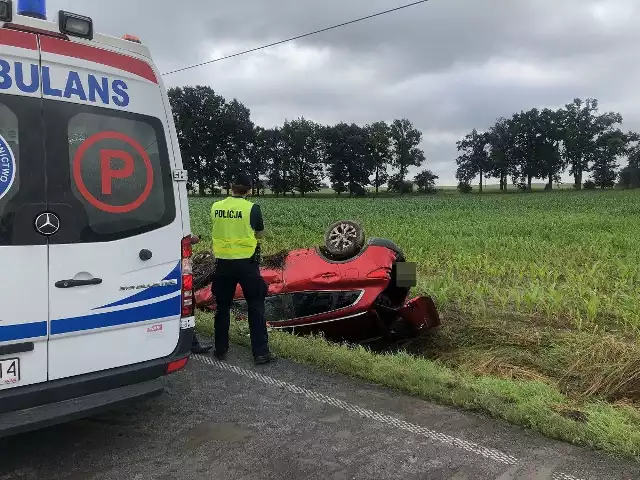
x=290, y=306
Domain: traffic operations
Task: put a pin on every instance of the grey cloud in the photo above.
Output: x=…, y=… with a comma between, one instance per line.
x=448, y=65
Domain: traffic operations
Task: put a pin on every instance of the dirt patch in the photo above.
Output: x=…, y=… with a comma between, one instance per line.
x=276, y=260
x=572, y=414
x=204, y=268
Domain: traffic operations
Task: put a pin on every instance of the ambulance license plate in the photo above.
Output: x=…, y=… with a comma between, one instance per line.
x=9, y=371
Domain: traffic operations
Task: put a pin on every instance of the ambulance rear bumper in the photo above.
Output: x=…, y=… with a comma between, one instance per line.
x=44, y=416
x=42, y=405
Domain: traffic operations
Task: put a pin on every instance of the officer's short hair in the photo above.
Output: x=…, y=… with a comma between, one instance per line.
x=241, y=184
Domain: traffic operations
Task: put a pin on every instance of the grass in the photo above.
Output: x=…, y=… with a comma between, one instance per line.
x=538, y=294
x=532, y=404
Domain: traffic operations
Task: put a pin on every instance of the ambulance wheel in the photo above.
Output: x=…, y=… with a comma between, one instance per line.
x=344, y=239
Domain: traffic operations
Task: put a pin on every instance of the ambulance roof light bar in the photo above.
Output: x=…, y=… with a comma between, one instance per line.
x=33, y=8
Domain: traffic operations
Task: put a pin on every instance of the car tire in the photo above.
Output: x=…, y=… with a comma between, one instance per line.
x=344, y=239
x=386, y=243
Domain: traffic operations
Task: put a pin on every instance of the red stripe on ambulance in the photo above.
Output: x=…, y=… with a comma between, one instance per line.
x=98, y=55
x=13, y=38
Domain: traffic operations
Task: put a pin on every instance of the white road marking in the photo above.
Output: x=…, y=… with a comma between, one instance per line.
x=486, y=452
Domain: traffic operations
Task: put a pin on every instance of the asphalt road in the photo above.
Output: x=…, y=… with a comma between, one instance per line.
x=283, y=421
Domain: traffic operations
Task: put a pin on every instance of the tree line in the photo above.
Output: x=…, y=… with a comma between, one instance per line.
x=543, y=144
x=218, y=139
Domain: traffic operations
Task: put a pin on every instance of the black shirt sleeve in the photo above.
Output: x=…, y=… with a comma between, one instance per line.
x=257, y=222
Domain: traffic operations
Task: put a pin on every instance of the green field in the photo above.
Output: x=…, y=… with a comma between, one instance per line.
x=537, y=287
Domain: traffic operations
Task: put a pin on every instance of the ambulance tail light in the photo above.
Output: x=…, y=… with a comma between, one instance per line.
x=176, y=365
x=75, y=25
x=187, y=277
x=6, y=11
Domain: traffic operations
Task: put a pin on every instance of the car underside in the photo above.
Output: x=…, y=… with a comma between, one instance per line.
x=347, y=290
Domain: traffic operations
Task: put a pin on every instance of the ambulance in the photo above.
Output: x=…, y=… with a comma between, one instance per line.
x=96, y=301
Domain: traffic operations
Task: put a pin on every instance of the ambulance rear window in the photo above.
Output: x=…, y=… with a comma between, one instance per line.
x=117, y=170
x=9, y=155
x=22, y=176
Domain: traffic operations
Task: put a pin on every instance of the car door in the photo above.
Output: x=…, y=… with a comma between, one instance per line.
x=115, y=262
x=23, y=253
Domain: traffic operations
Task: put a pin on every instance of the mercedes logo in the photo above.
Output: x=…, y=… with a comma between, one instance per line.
x=47, y=224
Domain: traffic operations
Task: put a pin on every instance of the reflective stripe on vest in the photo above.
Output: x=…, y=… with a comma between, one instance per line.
x=233, y=237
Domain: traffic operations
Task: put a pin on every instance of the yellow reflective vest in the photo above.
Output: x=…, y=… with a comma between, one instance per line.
x=232, y=235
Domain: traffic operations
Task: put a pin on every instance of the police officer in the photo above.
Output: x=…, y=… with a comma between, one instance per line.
x=237, y=226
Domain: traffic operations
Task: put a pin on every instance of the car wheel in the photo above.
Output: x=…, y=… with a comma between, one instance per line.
x=344, y=239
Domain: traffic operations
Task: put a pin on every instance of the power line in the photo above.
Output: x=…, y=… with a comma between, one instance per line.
x=402, y=7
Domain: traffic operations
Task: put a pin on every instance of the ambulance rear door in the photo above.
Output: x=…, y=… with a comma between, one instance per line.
x=23, y=252
x=114, y=264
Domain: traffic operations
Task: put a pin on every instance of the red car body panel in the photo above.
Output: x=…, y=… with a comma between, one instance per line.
x=362, y=279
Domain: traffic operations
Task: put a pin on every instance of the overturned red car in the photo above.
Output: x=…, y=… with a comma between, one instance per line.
x=348, y=290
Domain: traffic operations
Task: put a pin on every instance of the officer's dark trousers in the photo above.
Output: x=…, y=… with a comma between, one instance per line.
x=230, y=273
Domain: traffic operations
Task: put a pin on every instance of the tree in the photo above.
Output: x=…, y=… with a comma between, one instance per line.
x=426, y=181
x=548, y=138
x=197, y=113
x=474, y=159
x=279, y=179
x=379, y=150
x=259, y=155
x=398, y=185
x=347, y=158
x=609, y=146
x=500, y=138
x=535, y=153
x=405, y=140
x=238, y=131
x=303, y=145
x=630, y=175
x=582, y=128
x=578, y=119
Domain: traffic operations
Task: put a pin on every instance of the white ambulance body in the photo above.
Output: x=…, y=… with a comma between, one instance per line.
x=95, y=245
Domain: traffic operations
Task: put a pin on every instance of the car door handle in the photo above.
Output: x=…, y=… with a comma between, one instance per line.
x=78, y=283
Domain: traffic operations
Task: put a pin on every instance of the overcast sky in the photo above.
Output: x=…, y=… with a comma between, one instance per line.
x=447, y=65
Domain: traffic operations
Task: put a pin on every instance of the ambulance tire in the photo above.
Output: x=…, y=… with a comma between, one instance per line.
x=344, y=239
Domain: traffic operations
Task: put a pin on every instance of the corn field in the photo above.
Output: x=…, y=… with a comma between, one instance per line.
x=568, y=256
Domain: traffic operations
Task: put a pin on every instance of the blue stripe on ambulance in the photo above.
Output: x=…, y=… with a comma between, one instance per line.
x=151, y=293
x=150, y=311
x=11, y=333
x=164, y=309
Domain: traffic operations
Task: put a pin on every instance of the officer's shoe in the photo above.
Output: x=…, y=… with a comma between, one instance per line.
x=220, y=355
x=199, y=349
x=263, y=359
